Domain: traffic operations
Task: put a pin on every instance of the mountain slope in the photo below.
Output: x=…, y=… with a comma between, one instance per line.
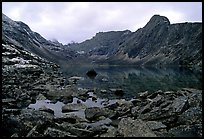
x=18, y=33
x=103, y=43
x=160, y=42
x=157, y=43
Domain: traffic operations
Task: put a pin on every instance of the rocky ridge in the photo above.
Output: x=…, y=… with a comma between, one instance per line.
x=20, y=34
x=162, y=43
x=157, y=43
x=103, y=43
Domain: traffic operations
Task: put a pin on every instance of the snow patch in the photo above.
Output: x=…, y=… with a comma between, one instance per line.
x=10, y=48
x=20, y=60
x=125, y=33
x=7, y=53
x=80, y=52
x=26, y=31
x=25, y=66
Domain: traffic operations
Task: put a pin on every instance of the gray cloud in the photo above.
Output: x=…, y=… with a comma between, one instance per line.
x=78, y=21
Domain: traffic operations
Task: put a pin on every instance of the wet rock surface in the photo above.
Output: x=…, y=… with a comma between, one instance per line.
x=37, y=103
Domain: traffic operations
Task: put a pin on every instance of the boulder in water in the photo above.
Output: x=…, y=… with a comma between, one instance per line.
x=91, y=73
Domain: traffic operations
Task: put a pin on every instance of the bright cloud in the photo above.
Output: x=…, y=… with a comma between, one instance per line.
x=78, y=21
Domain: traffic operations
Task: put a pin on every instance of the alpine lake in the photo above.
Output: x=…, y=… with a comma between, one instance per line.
x=130, y=79
x=133, y=79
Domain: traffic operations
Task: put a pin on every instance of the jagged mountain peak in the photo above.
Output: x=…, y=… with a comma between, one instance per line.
x=157, y=20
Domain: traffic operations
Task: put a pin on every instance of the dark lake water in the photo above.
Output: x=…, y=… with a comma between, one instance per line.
x=134, y=79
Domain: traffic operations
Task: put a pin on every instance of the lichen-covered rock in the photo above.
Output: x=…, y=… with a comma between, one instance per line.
x=111, y=132
x=186, y=131
x=191, y=116
x=70, y=118
x=40, y=97
x=79, y=131
x=194, y=97
x=180, y=104
x=52, y=132
x=93, y=113
x=134, y=128
x=154, y=125
x=73, y=107
x=34, y=133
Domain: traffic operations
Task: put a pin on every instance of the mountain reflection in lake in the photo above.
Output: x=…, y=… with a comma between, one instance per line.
x=134, y=79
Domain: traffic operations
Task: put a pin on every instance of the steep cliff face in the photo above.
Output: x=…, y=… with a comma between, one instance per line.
x=160, y=42
x=157, y=43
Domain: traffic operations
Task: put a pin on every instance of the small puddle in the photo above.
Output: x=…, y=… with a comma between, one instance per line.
x=57, y=107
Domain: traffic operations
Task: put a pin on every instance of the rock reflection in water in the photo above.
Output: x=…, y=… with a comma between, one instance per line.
x=57, y=107
x=135, y=79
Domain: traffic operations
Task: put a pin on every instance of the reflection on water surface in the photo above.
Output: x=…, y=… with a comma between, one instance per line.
x=134, y=79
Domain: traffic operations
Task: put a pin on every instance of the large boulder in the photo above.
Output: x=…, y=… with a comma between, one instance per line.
x=93, y=113
x=73, y=107
x=180, y=104
x=155, y=125
x=111, y=132
x=134, y=128
x=91, y=73
x=186, y=131
x=118, y=92
x=47, y=109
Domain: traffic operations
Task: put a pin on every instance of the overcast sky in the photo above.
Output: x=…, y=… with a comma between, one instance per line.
x=79, y=21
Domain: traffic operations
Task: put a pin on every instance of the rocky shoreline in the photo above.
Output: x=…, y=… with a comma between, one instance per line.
x=36, y=102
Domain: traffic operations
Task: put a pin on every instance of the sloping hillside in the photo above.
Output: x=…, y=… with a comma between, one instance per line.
x=160, y=42
x=18, y=33
x=157, y=43
x=103, y=43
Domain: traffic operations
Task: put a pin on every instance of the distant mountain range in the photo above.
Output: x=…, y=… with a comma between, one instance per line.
x=157, y=43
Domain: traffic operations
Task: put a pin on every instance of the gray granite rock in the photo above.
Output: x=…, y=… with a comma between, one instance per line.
x=73, y=107
x=46, y=109
x=186, y=131
x=93, y=113
x=111, y=132
x=180, y=104
x=191, y=116
x=52, y=132
x=155, y=125
x=134, y=128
